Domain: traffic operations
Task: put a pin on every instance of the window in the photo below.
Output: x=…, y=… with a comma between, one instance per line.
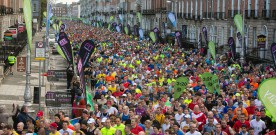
x=222, y=36
x=34, y=7
x=215, y=34
x=254, y=39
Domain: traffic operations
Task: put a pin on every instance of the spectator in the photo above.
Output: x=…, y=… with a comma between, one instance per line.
x=238, y=124
x=23, y=116
x=193, y=130
x=65, y=128
x=58, y=122
x=20, y=127
x=77, y=130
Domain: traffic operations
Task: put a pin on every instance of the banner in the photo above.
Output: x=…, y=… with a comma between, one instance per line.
x=65, y=46
x=121, y=17
x=156, y=33
x=267, y=94
x=139, y=16
x=207, y=80
x=111, y=18
x=128, y=27
x=86, y=49
x=184, y=31
x=216, y=84
x=126, y=30
x=200, y=41
x=141, y=33
x=172, y=19
x=273, y=52
x=232, y=45
x=135, y=30
x=180, y=86
x=152, y=37
x=89, y=99
x=60, y=51
x=204, y=31
x=109, y=27
x=28, y=21
x=238, y=23
x=212, y=48
x=261, y=39
x=118, y=28
x=178, y=38
x=81, y=75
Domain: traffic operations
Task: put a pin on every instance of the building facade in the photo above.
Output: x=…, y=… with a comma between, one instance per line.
x=11, y=13
x=74, y=10
x=216, y=15
x=36, y=13
x=60, y=10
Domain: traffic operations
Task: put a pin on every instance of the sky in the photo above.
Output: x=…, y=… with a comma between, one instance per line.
x=68, y=1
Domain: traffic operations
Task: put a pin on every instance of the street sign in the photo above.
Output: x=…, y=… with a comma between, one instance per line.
x=40, y=50
x=21, y=64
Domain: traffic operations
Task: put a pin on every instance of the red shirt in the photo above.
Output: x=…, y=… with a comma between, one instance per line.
x=117, y=94
x=250, y=110
x=136, y=130
x=192, y=105
x=238, y=124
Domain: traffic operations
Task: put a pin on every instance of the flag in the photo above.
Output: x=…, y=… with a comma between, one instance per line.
x=126, y=30
x=212, y=49
x=74, y=121
x=207, y=80
x=89, y=99
x=28, y=20
x=204, y=31
x=86, y=49
x=172, y=19
x=238, y=23
x=141, y=33
x=152, y=36
x=65, y=46
x=273, y=52
x=139, y=16
x=180, y=86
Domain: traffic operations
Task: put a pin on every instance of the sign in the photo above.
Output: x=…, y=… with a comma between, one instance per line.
x=261, y=39
x=207, y=80
x=58, y=99
x=180, y=86
x=21, y=64
x=40, y=50
x=14, y=32
x=56, y=75
x=267, y=94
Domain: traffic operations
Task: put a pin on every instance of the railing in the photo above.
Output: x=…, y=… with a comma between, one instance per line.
x=2, y=10
x=266, y=14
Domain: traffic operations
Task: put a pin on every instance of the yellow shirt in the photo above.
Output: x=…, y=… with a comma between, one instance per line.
x=121, y=127
x=57, y=133
x=112, y=89
x=160, y=118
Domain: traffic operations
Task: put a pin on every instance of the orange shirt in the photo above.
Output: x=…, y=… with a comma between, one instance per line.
x=243, y=111
x=109, y=78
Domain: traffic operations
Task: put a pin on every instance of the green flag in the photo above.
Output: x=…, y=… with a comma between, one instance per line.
x=212, y=49
x=207, y=80
x=60, y=51
x=238, y=23
x=216, y=85
x=267, y=94
x=55, y=27
x=126, y=30
x=180, y=86
x=45, y=14
x=89, y=99
x=28, y=21
x=152, y=36
x=59, y=23
x=111, y=18
x=109, y=26
x=139, y=16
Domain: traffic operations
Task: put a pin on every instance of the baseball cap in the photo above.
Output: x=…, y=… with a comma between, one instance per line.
x=124, y=95
x=39, y=114
x=187, y=116
x=54, y=125
x=104, y=119
x=91, y=120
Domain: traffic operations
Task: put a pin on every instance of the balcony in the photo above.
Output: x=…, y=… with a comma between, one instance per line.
x=188, y=16
x=2, y=10
x=148, y=12
x=254, y=13
x=266, y=14
x=273, y=14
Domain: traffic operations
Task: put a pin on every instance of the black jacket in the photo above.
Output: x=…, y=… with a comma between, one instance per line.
x=22, y=117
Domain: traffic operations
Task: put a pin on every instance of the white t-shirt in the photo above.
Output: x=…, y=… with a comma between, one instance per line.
x=184, y=124
x=257, y=125
x=68, y=130
x=112, y=110
x=178, y=117
x=195, y=133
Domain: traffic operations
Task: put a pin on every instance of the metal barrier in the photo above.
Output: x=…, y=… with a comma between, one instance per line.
x=51, y=111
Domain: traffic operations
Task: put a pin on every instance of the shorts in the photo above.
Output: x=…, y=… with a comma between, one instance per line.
x=11, y=64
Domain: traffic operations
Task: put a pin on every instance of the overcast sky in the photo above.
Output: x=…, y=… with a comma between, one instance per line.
x=68, y=1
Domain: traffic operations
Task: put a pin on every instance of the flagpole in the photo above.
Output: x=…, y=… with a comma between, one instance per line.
x=27, y=92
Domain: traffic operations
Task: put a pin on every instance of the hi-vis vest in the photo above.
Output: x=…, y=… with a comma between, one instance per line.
x=11, y=59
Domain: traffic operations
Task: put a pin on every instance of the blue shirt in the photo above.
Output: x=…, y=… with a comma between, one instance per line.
x=179, y=132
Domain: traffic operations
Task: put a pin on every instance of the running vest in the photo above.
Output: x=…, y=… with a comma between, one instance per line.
x=11, y=59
